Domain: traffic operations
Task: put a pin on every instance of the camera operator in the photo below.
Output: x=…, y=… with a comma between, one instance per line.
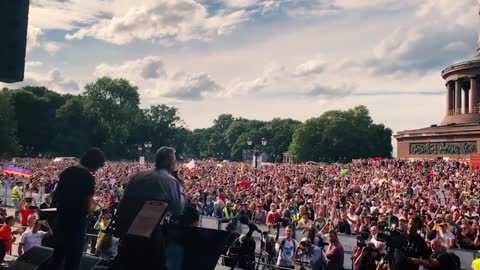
x=317, y=257
x=242, y=250
x=366, y=256
x=232, y=236
x=414, y=248
x=373, y=239
x=402, y=225
x=267, y=244
x=440, y=259
x=335, y=252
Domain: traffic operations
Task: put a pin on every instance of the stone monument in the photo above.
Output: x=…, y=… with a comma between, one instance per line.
x=458, y=135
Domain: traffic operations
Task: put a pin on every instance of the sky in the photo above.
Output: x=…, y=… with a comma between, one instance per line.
x=258, y=59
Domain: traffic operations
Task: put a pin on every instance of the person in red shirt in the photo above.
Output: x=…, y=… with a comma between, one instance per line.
x=6, y=233
x=272, y=215
x=27, y=209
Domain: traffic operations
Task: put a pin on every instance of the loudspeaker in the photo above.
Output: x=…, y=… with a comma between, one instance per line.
x=33, y=259
x=13, y=33
x=37, y=258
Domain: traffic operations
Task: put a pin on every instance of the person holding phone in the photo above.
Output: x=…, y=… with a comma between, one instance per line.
x=28, y=208
x=33, y=237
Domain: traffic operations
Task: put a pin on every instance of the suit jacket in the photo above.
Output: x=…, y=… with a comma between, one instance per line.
x=148, y=185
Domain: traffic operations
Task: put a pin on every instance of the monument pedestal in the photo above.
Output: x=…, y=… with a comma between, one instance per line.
x=458, y=135
x=452, y=141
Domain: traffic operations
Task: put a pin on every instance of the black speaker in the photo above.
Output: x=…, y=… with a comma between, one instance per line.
x=13, y=33
x=33, y=259
x=37, y=258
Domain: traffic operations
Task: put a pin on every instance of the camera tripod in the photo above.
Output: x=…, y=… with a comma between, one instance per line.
x=266, y=259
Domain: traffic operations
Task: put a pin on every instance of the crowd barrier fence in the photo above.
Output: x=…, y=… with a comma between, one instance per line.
x=6, y=196
x=348, y=241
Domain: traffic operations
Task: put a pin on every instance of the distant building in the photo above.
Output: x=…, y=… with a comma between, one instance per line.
x=458, y=135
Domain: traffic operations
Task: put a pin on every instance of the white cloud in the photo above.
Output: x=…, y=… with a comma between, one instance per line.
x=53, y=80
x=361, y=4
x=33, y=64
x=66, y=15
x=189, y=86
x=181, y=20
x=310, y=67
x=33, y=34
x=420, y=48
x=317, y=90
x=238, y=87
x=59, y=83
x=461, y=12
x=52, y=47
x=156, y=84
x=239, y=3
x=150, y=67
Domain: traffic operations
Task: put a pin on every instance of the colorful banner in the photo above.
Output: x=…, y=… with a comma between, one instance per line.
x=343, y=171
x=10, y=169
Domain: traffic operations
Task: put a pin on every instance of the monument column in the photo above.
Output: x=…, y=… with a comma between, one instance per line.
x=466, y=100
x=458, y=97
x=473, y=94
x=449, y=98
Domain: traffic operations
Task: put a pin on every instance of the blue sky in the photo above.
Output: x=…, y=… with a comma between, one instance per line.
x=258, y=58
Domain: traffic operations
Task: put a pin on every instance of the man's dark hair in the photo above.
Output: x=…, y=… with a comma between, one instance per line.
x=165, y=157
x=8, y=219
x=93, y=159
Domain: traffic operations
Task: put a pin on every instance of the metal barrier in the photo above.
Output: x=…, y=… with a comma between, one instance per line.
x=6, y=196
x=348, y=242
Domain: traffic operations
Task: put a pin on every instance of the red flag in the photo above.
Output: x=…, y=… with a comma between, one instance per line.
x=192, y=172
x=244, y=184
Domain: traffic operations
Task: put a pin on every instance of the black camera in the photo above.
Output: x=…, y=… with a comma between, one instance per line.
x=382, y=225
x=279, y=222
x=393, y=239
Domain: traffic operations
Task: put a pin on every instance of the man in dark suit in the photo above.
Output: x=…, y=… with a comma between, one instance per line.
x=157, y=185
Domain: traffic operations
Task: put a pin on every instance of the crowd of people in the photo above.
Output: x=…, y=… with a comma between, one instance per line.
x=371, y=196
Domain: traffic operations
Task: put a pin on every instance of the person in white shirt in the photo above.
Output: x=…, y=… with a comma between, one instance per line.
x=286, y=249
x=446, y=238
x=374, y=240
x=33, y=237
x=352, y=218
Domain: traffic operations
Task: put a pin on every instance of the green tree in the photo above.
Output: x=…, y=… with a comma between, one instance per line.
x=217, y=143
x=8, y=126
x=278, y=133
x=198, y=143
x=164, y=127
x=341, y=136
x=239, y=132
x=76, y=130
x=35, y=110
x=114, y=104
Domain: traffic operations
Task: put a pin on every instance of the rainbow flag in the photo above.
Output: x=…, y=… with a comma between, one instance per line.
x=10, y=169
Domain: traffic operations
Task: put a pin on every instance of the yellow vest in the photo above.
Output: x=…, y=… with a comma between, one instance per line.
x=101, y=228
x=15, y=193
x=476, y=264
x=227, y=214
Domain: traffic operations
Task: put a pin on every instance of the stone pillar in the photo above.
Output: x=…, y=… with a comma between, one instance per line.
x=466, y=100
x=473, y=94
x=449, y=98
x=458, y=97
